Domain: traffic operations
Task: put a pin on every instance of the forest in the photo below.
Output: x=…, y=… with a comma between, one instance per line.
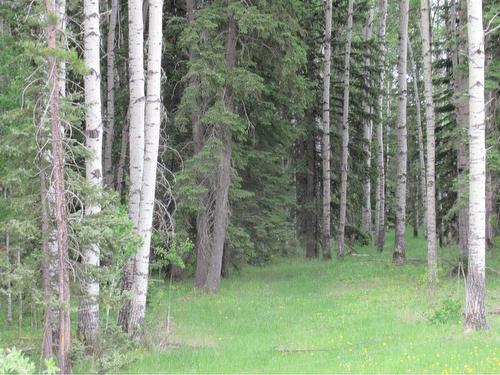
x=249, y=186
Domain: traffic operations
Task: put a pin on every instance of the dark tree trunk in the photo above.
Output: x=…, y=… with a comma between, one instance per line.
x=60, y=208
x=212, y=223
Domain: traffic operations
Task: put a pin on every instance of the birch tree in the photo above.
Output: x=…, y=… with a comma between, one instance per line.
x=366, y=219
x=88, y=313
x=64, y=339
x=151, y=144
x=431, y=147
x=421, y=152
x=380, y=187
x=136, y=134
x=345, y=136
x=402, y=147
x=326, y=152
x=475, y=312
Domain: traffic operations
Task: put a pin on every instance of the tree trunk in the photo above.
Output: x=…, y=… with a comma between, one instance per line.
x=380, y=188
x=326, y=152
x=422, y=177
x=120, y=169
x=212, y=224
x=151, y=142
x=367, y=137
x=60, y=207
x=110, y=90
x=137, y=107
x=399, y=246
x=136, y=135
x=88, y=313
x=47, y=258
x=61, y=14
x=462, y=113
x=431, y=144
x=345, y=136
x=475, y=312
x=9, y=284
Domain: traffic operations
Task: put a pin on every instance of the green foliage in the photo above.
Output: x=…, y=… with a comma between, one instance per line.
x=448, y=312
x=13, y=361
x=173, y=255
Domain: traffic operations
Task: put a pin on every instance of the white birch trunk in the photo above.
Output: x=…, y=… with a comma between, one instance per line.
x=110, y=90
x=151, y=142
x=430, y=211
x=88, y=314
x=136, y=107
x=326, y=152
x=367, y=137
x=380, y=188
x=345, y=136
x=399, y=246
x=475, y=312
x=136, y=136
x=421, y=152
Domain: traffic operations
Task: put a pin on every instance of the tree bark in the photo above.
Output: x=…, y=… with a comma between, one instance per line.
x=399, y=246
x=345, y=136
x=462, y=113
x=136, y=135
x=366, y=219
x=88, y=312
x=120, y=169
x=326, y=152
x=431, y=144
x=213, y=222
x=380, y=188
x=60, y=207
x=61, y=16
x=421, y=150
x=475, y=312
x=47, y=258
x=151, y=142
x=110, y=90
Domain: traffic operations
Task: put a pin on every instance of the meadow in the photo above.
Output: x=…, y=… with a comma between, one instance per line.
x=359, y=315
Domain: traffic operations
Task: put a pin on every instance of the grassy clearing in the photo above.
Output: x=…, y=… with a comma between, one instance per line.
x=360, y=315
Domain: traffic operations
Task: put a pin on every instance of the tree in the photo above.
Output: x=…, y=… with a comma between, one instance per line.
x=88, y=313
x=367, y=135
x=380, y=187
x=151, y=144
x=110, y=91
x=213, y=222
x=475, y=312
x=327, y=48
x=345, y=136
x=421, y=152
x=136, y=134
x=399, y=246
x=60, y=200
x=431, y=153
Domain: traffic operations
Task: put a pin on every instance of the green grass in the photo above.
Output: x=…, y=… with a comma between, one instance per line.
x=359, y=315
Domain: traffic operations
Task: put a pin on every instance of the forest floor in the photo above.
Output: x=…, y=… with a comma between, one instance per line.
x=359, y=315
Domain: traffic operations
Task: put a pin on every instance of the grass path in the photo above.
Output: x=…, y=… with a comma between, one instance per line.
x=361, y=315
